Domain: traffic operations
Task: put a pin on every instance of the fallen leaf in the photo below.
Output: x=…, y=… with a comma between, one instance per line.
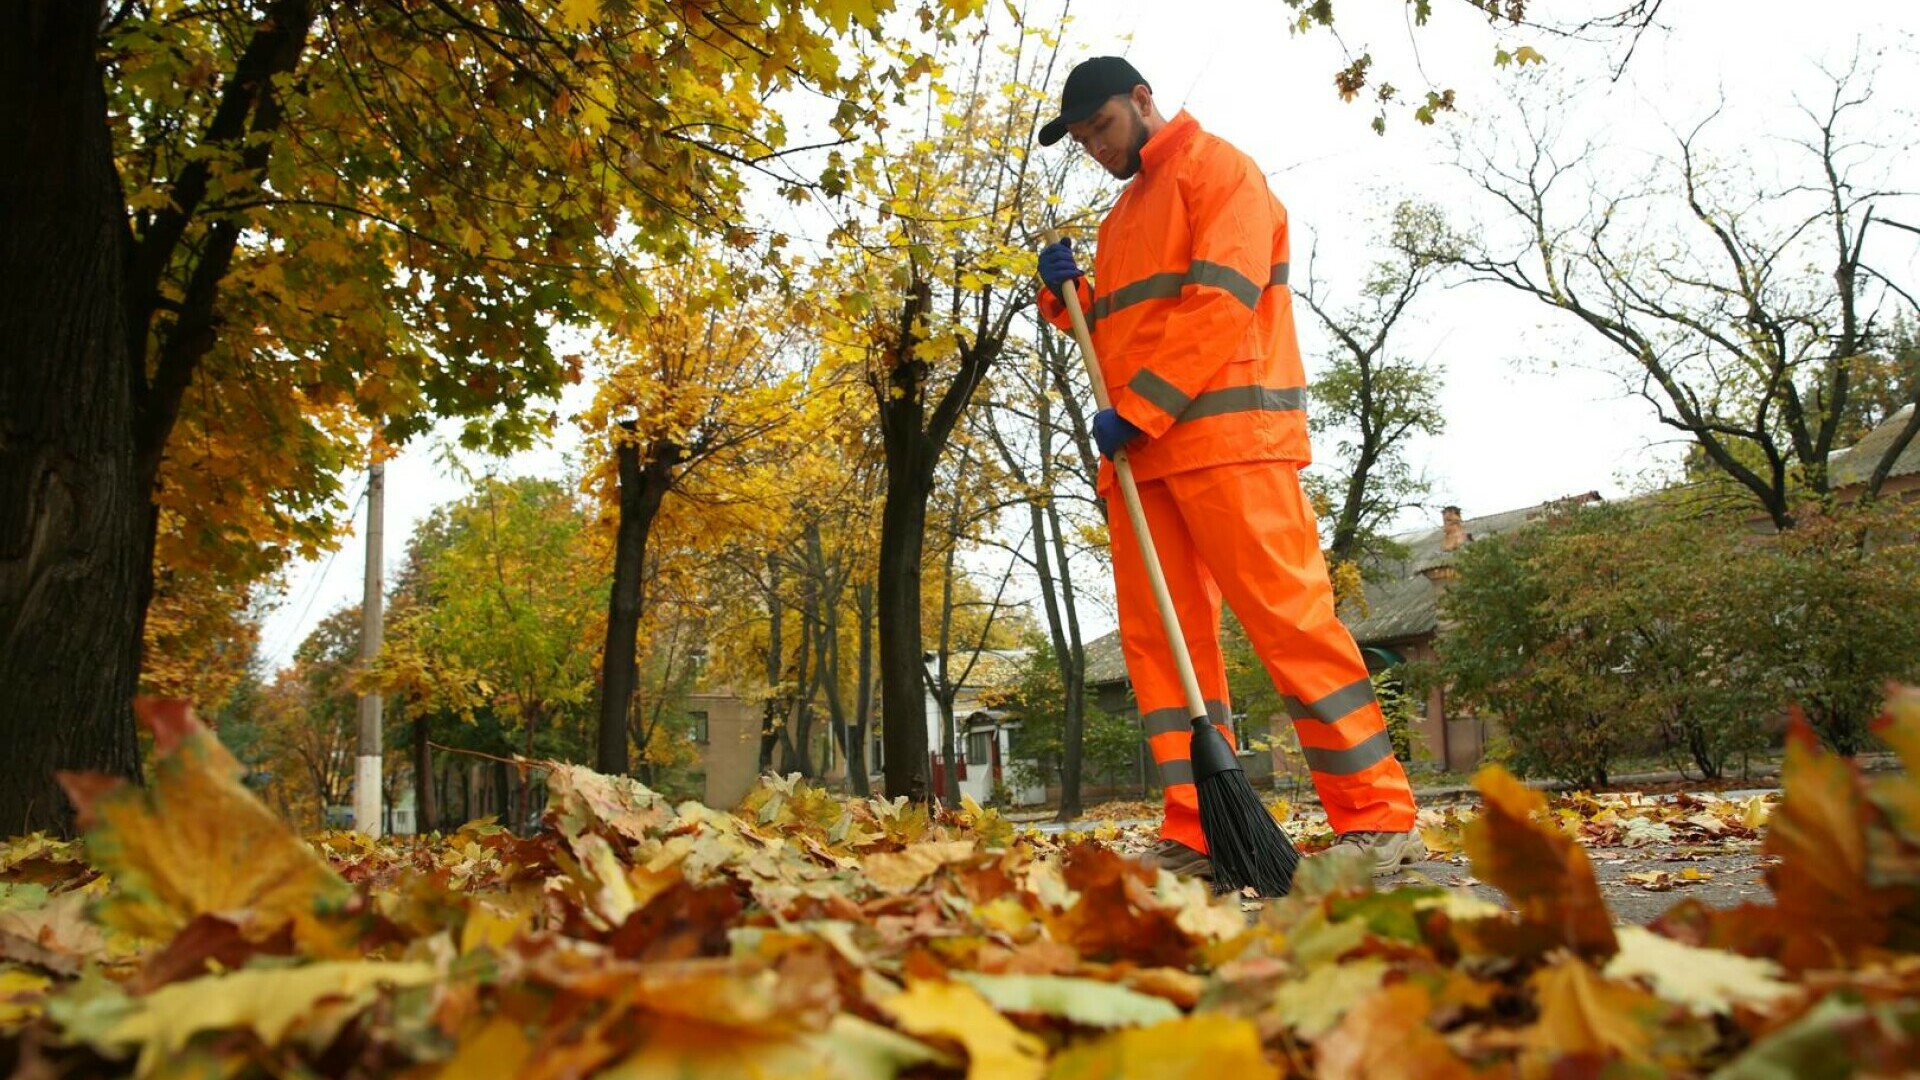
x=1707, y=981
x=1835, y=1039
x=996, y=1050
x=197, y=842
x=1311, y=1006
x=1117, y=913
x=1198, y=1047
x=1087, y=1002
x=901, y=871
x=1545, y=873
x=1386, y=1035
x=1826, y=908
x=1583, y=1013
x=21, y=994
x=267, y=1002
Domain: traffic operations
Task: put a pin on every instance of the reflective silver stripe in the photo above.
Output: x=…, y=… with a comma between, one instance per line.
x=1369, y=752
x=1242, y=288
x=1154, y=287
x=1176, y=772
x=1161, y=721
x=1158, y=392
x=1278, y=276
x=1333, y=707
x=1167, y=286
x=1239, y=399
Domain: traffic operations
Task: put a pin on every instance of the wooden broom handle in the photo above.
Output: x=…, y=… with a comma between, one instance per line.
x=1169, y=621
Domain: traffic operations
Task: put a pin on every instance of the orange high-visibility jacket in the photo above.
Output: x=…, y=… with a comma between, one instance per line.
x=1190, y=311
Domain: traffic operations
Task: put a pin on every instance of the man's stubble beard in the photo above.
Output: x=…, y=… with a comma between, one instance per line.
x=1138, y=138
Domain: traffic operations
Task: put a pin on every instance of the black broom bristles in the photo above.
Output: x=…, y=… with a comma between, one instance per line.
x=1247, y=846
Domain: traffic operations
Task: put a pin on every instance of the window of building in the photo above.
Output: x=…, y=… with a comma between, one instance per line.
x=980, y=748
x=697, y=729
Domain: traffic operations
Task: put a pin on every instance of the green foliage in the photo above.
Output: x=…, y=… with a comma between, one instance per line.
x=1614, y=631
x=1515, y=648
x=1843, y=591
x=1112, y=742
x=1401, y=707
x=505, y=609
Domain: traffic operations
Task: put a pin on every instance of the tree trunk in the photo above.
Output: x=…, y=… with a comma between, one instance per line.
x=903, y=695
x=425, y=809
x=70, y=501
x=944, y=690
x=857, y=769
x=642, y=491
x=793, y=731
x=771, y=714
x=912, y=439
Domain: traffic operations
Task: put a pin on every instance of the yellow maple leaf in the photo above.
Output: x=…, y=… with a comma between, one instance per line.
x=1584, y=1013
x=21, y=992
x=996, y=1050
x=899, y=871
x=1196, y=1047
x=197, y=842
x=266, y=1001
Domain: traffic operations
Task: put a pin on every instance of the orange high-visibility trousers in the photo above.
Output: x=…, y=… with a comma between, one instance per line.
x=1245, y=532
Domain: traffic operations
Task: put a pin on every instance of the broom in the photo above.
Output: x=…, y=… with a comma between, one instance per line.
x=1248, y=848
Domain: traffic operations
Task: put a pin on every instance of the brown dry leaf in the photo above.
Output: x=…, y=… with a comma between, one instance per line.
x=901, y=871
x=1582, y=1013
x=1197, y=1047
x=1118, y=914
x=1826, y=909
x=1545, y=873
x=996, y=1050
x=197, y=842
x=1386, y=1034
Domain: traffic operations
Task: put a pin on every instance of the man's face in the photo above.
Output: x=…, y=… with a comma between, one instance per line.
x=1113, y=136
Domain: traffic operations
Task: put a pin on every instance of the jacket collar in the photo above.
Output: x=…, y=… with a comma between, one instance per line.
x=1166, y=142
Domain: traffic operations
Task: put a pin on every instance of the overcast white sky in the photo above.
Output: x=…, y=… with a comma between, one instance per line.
x=1531, y=413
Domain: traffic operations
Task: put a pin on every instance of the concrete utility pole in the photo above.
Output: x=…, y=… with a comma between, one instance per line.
x=366, y=774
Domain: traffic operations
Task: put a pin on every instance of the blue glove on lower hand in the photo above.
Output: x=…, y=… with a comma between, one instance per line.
x=1112, y=431
x=1057, y=266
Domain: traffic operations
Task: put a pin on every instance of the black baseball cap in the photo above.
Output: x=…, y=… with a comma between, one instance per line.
x=1089, y=85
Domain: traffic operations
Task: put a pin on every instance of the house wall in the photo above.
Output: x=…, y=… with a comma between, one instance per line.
x=731, y=754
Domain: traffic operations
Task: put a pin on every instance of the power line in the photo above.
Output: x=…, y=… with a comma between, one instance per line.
x=291, y=636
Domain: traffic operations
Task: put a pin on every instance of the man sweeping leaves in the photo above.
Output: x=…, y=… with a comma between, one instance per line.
x=1191, y=317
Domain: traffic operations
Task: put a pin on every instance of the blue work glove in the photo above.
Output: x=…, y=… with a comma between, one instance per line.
x=1112, y=431
x=1057, y=266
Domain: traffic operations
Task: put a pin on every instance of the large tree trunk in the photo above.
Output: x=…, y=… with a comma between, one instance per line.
x=70, y=501
x=913, y=438
x=903, y=694
x=642, y=491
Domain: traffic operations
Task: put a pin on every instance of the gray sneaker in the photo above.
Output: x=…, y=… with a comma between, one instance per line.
x=1178, y=859
x=1390, y=850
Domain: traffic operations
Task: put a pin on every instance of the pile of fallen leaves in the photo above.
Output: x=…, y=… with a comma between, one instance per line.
x=193, y=934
